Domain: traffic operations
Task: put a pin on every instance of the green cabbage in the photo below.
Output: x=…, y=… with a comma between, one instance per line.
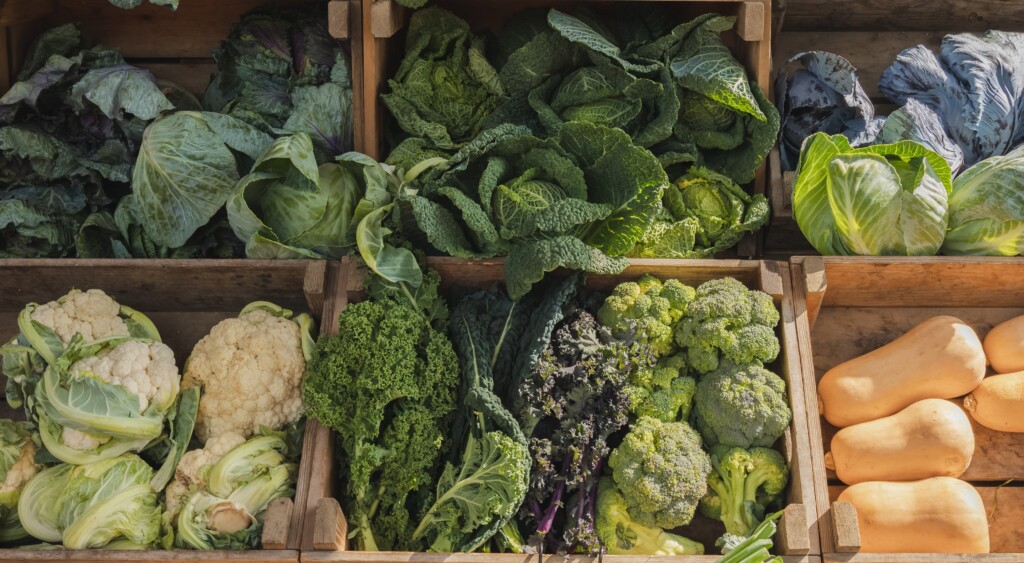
x=986, y=209
x=882, y=200
x=228, y=512
x=287, y=207
x=90, y=506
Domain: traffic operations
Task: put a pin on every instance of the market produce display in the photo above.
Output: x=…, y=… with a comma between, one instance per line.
x=958, y=106
x=102, y=160
x=103, y=460
x=555, y=144
x=560, y=422
x=902, y=468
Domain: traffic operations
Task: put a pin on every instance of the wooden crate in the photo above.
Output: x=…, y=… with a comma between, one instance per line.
x=326, y=539
x=869, y=33
x=185, y=299
x=382, y=46
x=175, y=46
x=846, y=307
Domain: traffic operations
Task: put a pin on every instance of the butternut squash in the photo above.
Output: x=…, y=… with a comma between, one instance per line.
x=940, y=358
x=930, y=438
x=1004, y=346
x=937, y=515
x=998, y=403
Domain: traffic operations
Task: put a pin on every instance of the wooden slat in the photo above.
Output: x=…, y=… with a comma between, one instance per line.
x=816, y=285
x=846, y=527
x=750, y=22
x=339, y=18
x=386, y=18
x=926, y=15
x=13, y=12
x=103, y=556
x=330, y=532
x=276, y=524
x=5, y=65
x=405, y=557
x=193, y=76
x=1005, y=508
x=361, y=121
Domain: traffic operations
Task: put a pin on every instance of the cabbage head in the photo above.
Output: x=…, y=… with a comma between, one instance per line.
x=101, y=400
x=705, y=212
x=444, y=88
x=581, y=200
x=288, y=207
x=91, y=506
x=228, y=512
x=986, y=209
x=882, y=200
x=17, y=467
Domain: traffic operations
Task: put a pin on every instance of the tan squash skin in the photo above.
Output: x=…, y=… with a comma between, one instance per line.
x=940, y=358
x=930, y=438
x=1004, y=346
x=998, y=403
x=937, y=515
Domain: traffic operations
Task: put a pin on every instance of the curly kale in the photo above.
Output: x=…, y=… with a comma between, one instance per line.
x=742, y=485
x=661, y=471
x=741, y=405
x=727, y=320
x=649, y=307
x=572, y=402
x=386, y=384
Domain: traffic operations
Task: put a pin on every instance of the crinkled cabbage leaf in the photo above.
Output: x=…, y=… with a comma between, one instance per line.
x=986, y=208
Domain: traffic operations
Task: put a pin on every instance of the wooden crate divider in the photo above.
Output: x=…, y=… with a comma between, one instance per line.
x=325, y=534
x=847, y=306
x=185, y=298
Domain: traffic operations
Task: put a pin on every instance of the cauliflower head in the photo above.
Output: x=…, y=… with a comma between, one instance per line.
x=727, y=320
x=741, y=406
x=192, y=470
x=17, y=467
x=648, y=307
x=662, y=472
x=251, y=370
x=93, y=314
x=146, y=369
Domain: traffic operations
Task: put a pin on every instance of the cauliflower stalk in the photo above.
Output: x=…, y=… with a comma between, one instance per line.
x=17, y=467
x=661, y=471
x=742, y=485
x=47, y=330
x=622, y=535
x=727, y=320
x=100, y=400
x=251, y=370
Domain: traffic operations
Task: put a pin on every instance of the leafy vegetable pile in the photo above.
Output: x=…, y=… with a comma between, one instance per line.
x=102, y=461
x=554, y=145
x=565, y=421
x=100, y=160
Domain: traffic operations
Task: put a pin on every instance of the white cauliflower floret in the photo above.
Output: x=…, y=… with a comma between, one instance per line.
x=81, y=441
x=146, y=369
x=93, y=314
x=22, y=471
x=189, y=474
x=251, y=370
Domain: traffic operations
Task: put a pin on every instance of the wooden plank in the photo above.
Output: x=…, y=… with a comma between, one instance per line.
x=339, y=18
x=926, y=15
x=750, y=22
x=276, y=524
x=361, y=121
x=1005, y=507
x=13, y=12
x=104, y=556
x=816, y=285
x=387, y=18
x=405, y=557
x=330, y=533
x=921, y=558
x=845, y=527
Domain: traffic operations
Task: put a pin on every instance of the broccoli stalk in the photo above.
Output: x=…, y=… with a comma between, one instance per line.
x=622, y=535
x=742, y=484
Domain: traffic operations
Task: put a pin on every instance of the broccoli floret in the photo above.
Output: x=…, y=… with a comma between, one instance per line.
x=649, y=308
x=725, y=319
x=664, y=392
x=741, y=405
x=743, y=483
x=622, y=535
x=661, y=471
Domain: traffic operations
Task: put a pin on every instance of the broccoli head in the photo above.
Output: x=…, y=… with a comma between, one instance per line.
x=742, y=485
x=664, y=392
x=741, y=405
x=621, y=535
x=648, y=307
x=725, y=319
x=661, y=471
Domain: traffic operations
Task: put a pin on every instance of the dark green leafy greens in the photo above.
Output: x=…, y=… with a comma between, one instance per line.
x=69, y=130
x=129, y=4
x=282, y=72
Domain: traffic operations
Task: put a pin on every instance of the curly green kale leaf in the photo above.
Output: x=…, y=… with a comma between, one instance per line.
x=386, y=384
